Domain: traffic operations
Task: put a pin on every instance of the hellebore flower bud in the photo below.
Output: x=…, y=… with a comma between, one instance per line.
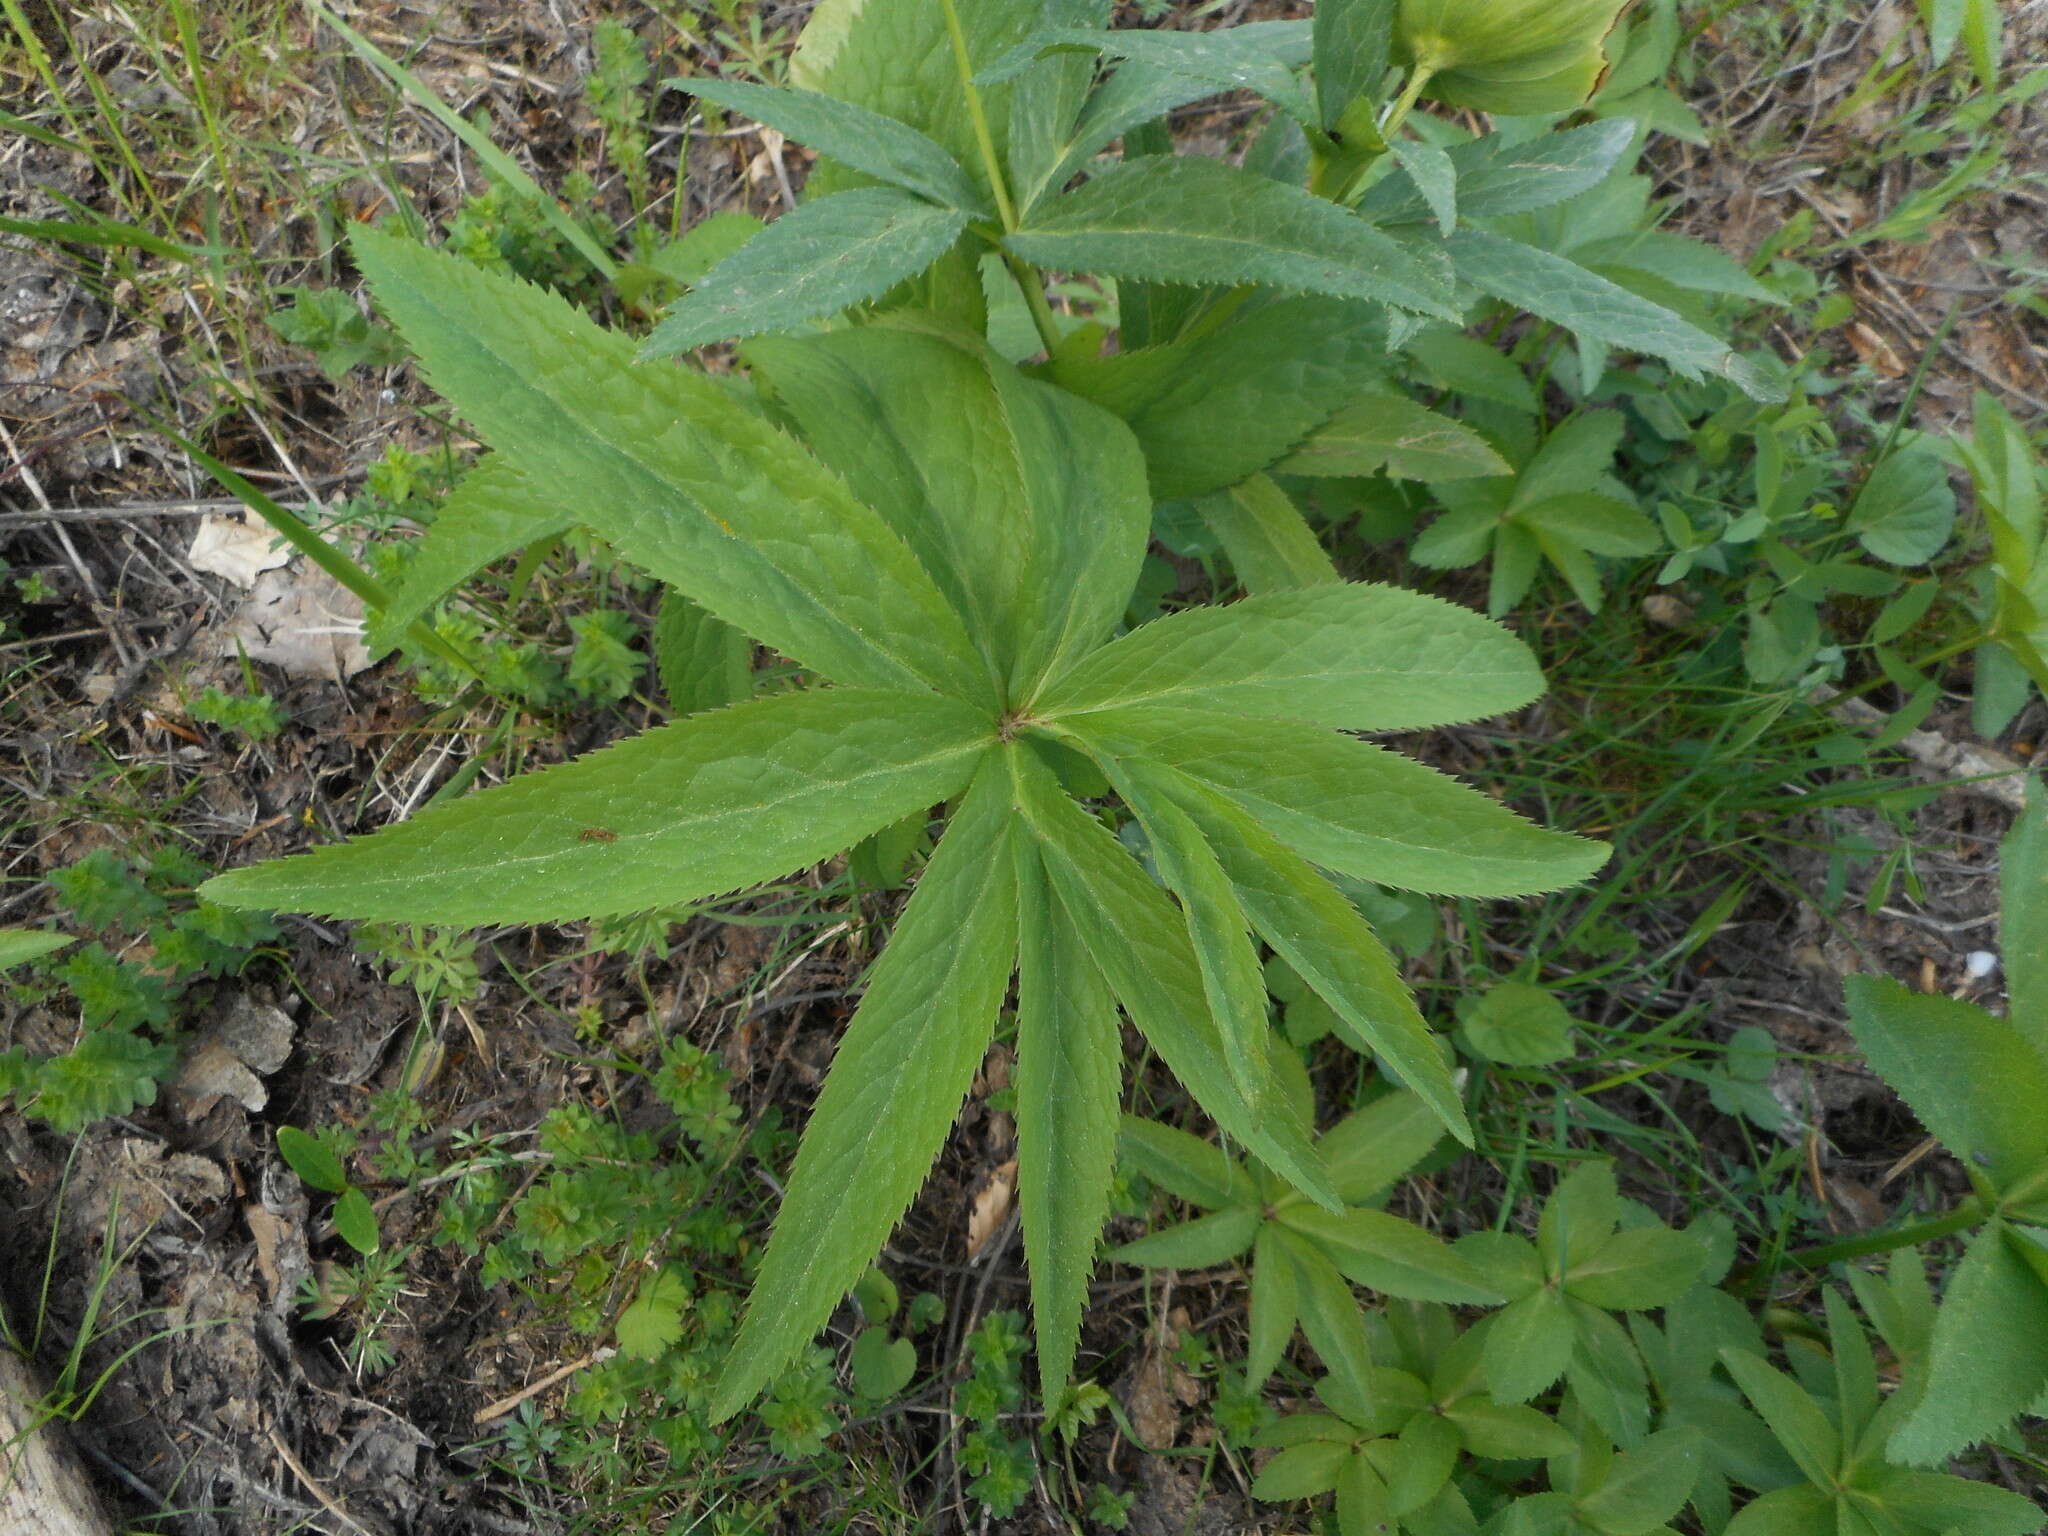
x=1512, y=56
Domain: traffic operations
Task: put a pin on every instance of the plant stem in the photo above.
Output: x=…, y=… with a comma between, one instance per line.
x=1029, y=281
x=983, y=139
x=1032, y=284
x=1966, y=1215
x=1418, y=77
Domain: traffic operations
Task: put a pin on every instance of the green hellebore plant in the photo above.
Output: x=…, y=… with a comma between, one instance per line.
x=1508, y=56
x=949, y=558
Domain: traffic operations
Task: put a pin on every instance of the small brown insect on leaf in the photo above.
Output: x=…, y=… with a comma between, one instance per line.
x=597, y=835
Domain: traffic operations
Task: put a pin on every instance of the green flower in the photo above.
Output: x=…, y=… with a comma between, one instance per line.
x=1511, y=56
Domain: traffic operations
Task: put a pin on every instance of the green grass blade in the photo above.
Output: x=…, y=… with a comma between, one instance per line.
x=494, y=160
x=101, y=232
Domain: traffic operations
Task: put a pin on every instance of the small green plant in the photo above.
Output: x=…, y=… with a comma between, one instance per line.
x=1838, y=1427
x=317, y=1165
x=155, y=944
x=327, y=323
x=617, y=93
x=965, y=674
x=1000, y=1462
x=1562, y=506
x=1303, y=1254
x=253, y=716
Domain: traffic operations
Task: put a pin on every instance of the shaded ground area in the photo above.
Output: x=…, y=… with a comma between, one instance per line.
x=244, y=1416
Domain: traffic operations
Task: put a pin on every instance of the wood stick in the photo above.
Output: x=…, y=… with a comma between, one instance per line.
x=43, y=1486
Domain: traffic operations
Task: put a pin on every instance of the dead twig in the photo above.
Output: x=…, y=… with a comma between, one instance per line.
x=326, y=1500
x=505, y=1405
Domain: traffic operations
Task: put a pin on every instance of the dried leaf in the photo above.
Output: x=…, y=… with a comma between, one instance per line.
x=991, y=1208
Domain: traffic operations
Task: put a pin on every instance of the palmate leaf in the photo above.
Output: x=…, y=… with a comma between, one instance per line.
x=924, y=420
x=1275, y=1305
x=1435, y=176
x=1369, y=1149
x=704, y=662
x=1140, y=943
x=1139, y=93
x=1352, y=42
x=1384, y=1253
x=1497, y=176
x=697, y=489
x=821, y=257
x=1330, y=1317
x=1353, y=807
x=1388, y=431
x=1957, y=1506
x=1069, y=1079
x=1184, y=1166
x=1800, y=1424
x=893, y=57
x=1046, y=100
x=851, y=134
x=1188, y=219
x=1359, y=656
x=697, y=808
x=896, y=1083
x=1199, y=1244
